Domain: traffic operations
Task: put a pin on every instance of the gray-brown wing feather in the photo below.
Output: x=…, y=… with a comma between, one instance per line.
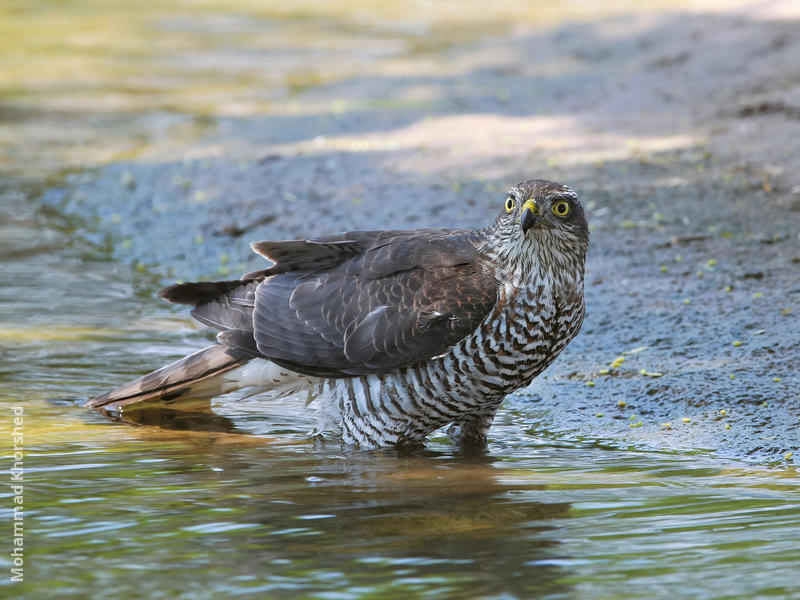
x=351, y=304
x=405, y=299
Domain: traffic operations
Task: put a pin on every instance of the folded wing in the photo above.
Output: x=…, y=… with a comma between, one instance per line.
x=351, y=304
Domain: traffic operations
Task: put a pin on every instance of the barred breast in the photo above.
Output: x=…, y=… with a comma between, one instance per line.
x=465, y=386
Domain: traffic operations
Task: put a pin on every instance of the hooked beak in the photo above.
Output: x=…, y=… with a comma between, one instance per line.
x=528, y=218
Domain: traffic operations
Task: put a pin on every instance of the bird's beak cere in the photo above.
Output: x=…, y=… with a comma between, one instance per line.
x=528, y=218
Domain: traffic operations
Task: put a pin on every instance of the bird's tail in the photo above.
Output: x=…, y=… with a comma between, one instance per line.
x=191, y=379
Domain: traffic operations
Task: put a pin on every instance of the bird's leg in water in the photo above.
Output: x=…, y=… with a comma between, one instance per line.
x=470, y=433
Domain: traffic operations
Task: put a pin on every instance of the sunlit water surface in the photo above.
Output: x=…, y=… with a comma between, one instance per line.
x=242, y=504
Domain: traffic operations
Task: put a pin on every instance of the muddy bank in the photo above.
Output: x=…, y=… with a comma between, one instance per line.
x=680, y=130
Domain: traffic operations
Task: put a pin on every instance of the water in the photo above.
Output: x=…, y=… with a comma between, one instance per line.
x=238, y=502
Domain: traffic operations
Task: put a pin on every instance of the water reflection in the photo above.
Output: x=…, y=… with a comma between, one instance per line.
x=418, y=517
x=177, y=420
x=304, y=520
x=424, y=519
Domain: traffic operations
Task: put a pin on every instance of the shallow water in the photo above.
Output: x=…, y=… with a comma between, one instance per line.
x=242, y=504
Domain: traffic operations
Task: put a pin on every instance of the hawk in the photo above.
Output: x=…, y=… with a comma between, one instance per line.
x=394, y=334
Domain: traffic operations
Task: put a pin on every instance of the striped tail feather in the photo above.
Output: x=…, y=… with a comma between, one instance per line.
x=193, y=379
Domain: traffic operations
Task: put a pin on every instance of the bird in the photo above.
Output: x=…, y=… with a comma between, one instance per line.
x=393, y=334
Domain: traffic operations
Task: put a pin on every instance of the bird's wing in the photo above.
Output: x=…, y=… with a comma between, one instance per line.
x=228, y=305
x=402, y=298
x=350, y=304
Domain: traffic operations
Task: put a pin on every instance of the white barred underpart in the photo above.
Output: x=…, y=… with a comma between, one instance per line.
x=465, y=386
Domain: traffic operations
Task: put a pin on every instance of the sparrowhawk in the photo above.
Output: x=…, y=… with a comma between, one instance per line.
x=394, y=334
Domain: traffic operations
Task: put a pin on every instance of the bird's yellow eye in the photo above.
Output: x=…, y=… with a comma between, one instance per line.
x=561, y=208
x=510, y=204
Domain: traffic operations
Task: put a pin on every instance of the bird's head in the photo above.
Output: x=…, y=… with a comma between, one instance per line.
x=544, y=216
